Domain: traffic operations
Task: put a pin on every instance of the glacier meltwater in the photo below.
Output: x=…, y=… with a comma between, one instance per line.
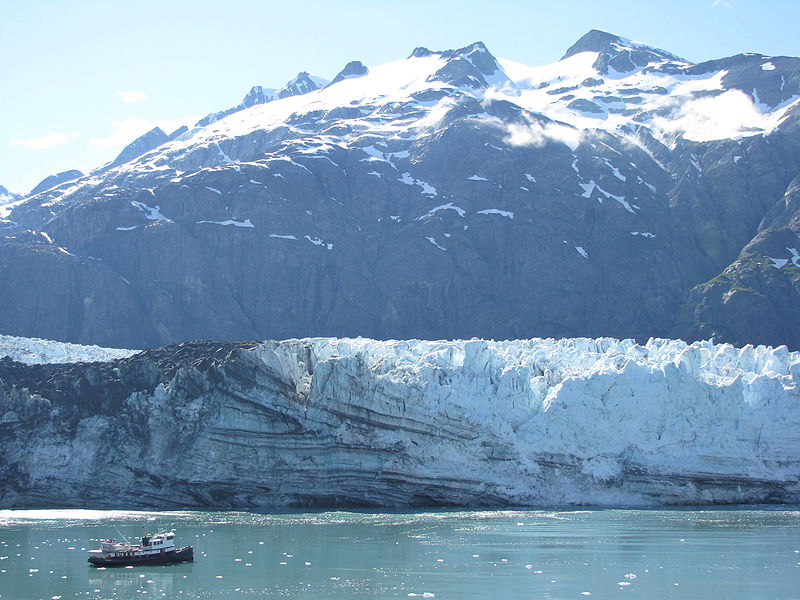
x=359, y=422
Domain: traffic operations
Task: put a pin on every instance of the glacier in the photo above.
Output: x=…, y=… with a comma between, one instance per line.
x=34, y=351
x=361, y=422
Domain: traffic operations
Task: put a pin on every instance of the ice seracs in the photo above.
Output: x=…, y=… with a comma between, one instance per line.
x=327, y=421
x=34, y=351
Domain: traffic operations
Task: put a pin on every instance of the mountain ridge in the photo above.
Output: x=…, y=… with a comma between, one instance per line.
x=449, y=194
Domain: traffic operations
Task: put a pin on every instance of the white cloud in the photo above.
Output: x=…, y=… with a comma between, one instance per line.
x=132, y=96
x=721, y=4
x=536, y=134
x=46, y=141
x=728, y=115
x=126, y=130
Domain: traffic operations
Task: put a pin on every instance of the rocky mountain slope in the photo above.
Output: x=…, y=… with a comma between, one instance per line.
x=323, y=422
x=621, y=191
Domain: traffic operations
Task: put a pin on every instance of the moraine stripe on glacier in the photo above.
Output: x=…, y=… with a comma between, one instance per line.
x=346, y=422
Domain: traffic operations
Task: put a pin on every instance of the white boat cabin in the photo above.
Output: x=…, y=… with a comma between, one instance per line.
x=151, y=544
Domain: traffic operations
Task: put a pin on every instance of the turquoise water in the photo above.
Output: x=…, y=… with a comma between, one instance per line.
x=728, y=554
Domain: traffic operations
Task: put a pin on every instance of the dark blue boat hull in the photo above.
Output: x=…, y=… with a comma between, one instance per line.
x=185, y=554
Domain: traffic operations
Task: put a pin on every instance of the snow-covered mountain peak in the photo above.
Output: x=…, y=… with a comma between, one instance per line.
x=605, y=84
x=355, y=68
x=472, y=66
x=620, y=55
x=7, y=197
x=303, y=83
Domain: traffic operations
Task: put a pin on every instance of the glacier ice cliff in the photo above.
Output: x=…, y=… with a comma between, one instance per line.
x=359, y=422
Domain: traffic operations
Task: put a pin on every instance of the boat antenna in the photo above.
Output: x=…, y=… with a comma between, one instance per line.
x=120, y=534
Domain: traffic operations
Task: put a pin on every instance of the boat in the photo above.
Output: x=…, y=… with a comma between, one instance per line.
x=158, y=549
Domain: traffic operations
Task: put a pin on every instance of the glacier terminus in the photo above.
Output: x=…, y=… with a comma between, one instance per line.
x=323, y=422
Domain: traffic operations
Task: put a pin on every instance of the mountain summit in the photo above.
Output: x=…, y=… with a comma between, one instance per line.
x=618, y=53
x=619, y=192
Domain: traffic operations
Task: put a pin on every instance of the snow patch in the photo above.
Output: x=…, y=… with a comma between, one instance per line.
x=318, y=242
x=779, y=262
x=449, y=206
x=496, y=211
x=433, y=241
x=245, y=223
x=150, y=212
x=427, y=189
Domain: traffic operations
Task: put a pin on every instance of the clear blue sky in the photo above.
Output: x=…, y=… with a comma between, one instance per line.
x=63, y=63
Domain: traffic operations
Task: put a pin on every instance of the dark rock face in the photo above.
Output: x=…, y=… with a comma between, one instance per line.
x=779, y=82
x=150, y=140
x=617, y=53
x=53, y=180
x=448, y=212
x=303, y=83
x=354, y=68
x=757, y=297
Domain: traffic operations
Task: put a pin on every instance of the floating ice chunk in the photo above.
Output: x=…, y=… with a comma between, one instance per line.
x=254, y=182
x=374, y=173
x=530, y=177
x=646, y=234
x=582, y=252
x=496, y=211
x=215, y=190
x=127, y=228
x=282, y=237
x=477, y=178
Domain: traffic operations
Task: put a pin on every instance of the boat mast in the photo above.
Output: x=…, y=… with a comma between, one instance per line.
x=120, y=534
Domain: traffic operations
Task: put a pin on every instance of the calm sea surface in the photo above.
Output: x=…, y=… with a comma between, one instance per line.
x=745, y=553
